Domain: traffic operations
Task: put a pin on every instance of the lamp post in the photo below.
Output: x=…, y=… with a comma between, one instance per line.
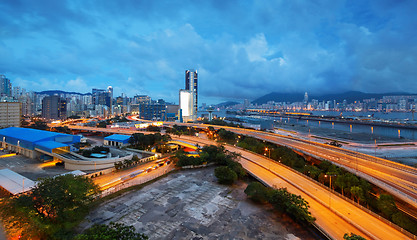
x=269, y=152
x=330, y=194
x=269, y=155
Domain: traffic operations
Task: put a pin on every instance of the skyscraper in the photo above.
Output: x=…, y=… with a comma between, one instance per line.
x=5, y=86
x=305, y=99
x=110, y=98
x=191, y=84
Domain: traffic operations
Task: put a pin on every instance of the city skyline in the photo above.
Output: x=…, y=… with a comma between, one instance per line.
x=241, y=50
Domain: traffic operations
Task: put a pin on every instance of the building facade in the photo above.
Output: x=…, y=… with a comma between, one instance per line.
x=10, y=114
x=191, y=84
x=186, y=106
x=54, y=107
x=5, y=86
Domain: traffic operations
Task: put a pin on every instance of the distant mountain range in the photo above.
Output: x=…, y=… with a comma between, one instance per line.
x=58, y=92
x=225, y=104
x=339, y=97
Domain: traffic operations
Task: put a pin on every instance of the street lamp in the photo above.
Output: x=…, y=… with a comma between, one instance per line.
x=269, y=160
x=269, y=151
x=330, y=194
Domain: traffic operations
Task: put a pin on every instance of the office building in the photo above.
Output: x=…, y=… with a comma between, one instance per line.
x=191, y=84
x=171, y=113
x=10, y=114
x=54, y=107
x=153, y=111
x=100, y=97
x=141, y=99
x=110, y=98
x=186, y=105
x=305, y=99
x=5, y=86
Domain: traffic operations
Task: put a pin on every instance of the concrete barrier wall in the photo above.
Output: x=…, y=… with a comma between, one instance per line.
x=90, y=164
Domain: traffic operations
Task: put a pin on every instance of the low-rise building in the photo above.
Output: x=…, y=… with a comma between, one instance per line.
x=117, y=140
x=34, y=143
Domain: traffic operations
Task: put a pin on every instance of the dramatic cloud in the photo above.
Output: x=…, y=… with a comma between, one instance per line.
x=241, y=49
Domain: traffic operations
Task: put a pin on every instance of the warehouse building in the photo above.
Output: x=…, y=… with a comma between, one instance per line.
x=117, y=140
x=36, y=144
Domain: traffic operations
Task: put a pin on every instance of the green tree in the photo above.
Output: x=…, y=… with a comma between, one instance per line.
x=293, y=204
x=61, y=198
x=152, y=128
x=257, y=192
x=226, y=136
x=353, y=236
x=312, y=171
x=237, y=168
x=52, y=209
x=39, y=125
x=225, y=175
x=386, y=205
x=405, y=222
x=357, y=192
x=112, y=231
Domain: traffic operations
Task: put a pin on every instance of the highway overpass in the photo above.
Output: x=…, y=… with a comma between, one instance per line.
x=334, y=215
x=397, y=179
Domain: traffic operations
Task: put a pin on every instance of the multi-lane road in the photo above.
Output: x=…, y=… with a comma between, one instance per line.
x=398, y=179
x=334, y=215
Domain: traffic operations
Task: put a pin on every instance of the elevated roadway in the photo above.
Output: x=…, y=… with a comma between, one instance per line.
x=397, y=179
x=334, y=215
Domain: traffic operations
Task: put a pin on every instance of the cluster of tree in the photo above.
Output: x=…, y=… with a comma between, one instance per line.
x=147, y=141
x=278, y=153
x=152, y=128
x=181, y=130
x=38, y=124
x=109, y=232
x=386, y=205
x=220, y=122
x=230, y=170
x=282, y=200
x=96, y=149
x=184, y=160
x=226, y=136
x=51, y=210
x=353, y=236
x=344, y=182
x=127, y=163
x=103, y=123
x=63, y=129
x=362, y=192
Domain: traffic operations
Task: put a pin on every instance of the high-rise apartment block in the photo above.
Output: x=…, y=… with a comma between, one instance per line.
x=5, y=86
x=10, y=114
x=54, y=107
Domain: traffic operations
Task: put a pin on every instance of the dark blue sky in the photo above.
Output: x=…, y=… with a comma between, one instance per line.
x=241, y=49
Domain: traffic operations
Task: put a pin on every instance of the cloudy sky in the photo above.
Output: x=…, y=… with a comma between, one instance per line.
x=241, y=48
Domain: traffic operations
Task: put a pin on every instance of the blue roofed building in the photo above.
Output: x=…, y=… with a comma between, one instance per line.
x=117, y=140
x=36, y=143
